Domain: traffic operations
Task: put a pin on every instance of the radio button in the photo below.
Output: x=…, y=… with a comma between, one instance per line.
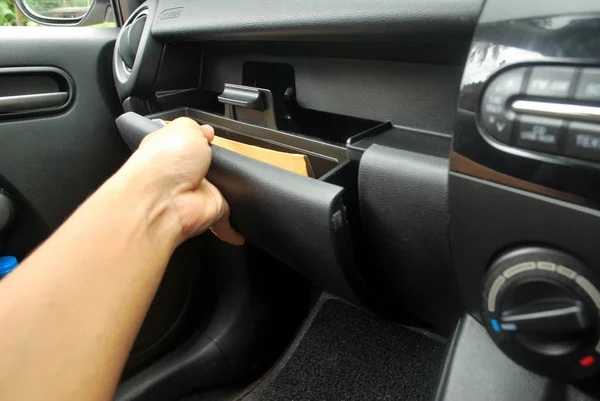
x=538, y=133
x=550, y=81
x=588, y=87
x=583, y=141
x=493, y=106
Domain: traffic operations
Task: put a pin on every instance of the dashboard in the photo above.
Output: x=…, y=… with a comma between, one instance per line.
x=456, y=150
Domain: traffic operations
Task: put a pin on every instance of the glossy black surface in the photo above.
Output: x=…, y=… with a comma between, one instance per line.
x=564, y=40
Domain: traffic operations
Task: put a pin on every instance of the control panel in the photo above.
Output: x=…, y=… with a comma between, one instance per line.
x=542, y=307
x=553, y=109
x=523, y=195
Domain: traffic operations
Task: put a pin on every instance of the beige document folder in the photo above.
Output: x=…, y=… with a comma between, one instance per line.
x=293, y=162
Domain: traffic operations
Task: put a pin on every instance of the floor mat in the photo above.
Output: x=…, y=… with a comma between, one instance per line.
x=347, y=354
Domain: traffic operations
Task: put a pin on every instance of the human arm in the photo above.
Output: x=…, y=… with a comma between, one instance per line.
x=70, y=313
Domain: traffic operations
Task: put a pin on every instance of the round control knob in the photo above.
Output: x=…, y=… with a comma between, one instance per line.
x=542, y=308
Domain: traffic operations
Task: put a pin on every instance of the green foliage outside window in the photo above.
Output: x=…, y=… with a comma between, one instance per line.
x=10, y=15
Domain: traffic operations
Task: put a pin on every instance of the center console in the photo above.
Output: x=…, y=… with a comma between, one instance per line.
x=524, y=195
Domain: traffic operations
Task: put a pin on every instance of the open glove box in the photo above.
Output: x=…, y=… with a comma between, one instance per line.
x=301, y=221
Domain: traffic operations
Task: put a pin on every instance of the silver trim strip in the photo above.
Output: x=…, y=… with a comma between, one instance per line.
x=561, y=110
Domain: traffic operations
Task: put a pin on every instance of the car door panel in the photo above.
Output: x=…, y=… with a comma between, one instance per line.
x=53, y=162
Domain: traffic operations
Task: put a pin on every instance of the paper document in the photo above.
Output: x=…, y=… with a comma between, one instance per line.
x=294, y=162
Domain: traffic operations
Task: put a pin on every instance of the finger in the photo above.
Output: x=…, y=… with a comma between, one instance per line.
x=148, y=138
x=209, y=132
x=222, y=227
x=184, y=122
x=226, y=232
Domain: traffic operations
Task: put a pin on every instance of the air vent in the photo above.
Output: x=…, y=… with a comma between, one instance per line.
x=136, y=54
x=130, y=40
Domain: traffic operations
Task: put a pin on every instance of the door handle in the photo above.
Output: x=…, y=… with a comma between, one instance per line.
x=11, y=104
x=34, y=91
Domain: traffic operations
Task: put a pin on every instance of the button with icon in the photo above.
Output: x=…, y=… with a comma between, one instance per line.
x=550, y=81
x=583, y=141
x=538, y=133
x=588, y=87
x=494, y=118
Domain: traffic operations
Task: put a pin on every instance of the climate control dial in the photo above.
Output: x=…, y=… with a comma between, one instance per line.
x=542, y=308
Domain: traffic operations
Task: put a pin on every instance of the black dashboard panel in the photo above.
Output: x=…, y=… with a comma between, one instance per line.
x=314, y=19
x=466, y=371
x=557, y=41
x=383, y=67
x=521, y=182
x=334, y=69
x=404, y=93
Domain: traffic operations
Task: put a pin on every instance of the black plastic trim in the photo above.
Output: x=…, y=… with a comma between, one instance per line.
x=475, y=369
x=405, y=220
x=139, y=79
x=436, y=20
x=386, y=134
x=243, y=96
x=293, y=142
x=473, y=359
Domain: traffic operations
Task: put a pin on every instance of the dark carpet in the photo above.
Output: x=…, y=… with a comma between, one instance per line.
x=347, y=354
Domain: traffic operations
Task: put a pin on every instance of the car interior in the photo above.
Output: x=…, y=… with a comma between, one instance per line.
x=440, y=241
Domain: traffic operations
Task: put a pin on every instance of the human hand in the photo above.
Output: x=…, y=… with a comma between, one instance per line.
x=169, y=168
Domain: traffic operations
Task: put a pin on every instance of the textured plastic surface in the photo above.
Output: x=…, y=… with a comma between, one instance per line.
x=155, y=382
x=475, y=369
x=407, y=94
x=134, y=128
x=50, y=165
x=199, y=362
x=403, y=202
x=299, y=220
x=169, y=309
x=314, y=19
x=237, y=331
x=511, y=217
